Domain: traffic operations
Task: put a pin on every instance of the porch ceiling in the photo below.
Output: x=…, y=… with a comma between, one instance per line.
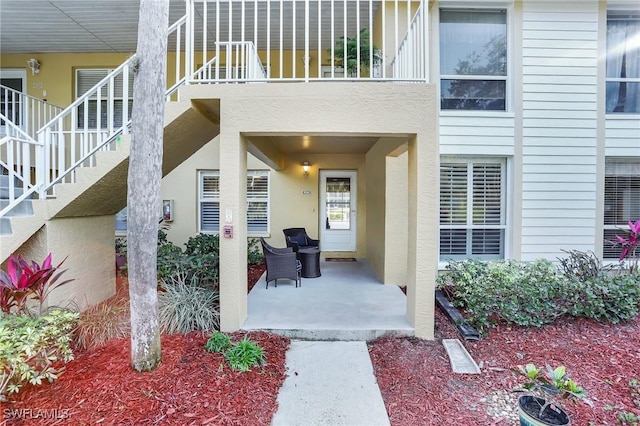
x=304, y=144
x=77, y=26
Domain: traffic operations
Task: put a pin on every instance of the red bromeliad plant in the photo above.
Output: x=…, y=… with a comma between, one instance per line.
x=629, y=245
x=23, y=280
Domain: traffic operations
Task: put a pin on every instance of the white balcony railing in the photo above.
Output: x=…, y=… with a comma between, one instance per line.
x=273, y=40
x=304, y=40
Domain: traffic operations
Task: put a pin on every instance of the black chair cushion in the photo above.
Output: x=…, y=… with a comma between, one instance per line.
x=299, y=239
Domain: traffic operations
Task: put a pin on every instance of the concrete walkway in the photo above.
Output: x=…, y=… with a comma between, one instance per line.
x=329, y=383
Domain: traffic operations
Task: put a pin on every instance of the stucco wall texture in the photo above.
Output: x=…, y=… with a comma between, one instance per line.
x=390, y=111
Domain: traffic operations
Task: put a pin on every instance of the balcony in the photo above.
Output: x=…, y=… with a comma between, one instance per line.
x=304, y=40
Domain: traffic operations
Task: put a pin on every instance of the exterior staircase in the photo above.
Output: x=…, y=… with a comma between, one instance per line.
x=102, y=189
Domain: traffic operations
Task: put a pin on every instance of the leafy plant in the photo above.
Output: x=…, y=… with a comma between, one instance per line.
x=24, y=280
x=101, y=323
x=218, y=342
x=346, y=54
x=607, y=297
x=629, y=246
x=254, y=253
x=185, y=306
x=30, y=345
x=244, y=354
x=522, y=293
x=550, y=385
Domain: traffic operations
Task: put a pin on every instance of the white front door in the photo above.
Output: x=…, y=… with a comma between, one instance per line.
x=338, y=212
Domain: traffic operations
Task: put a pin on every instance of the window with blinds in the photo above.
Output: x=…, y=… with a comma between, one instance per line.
x=621, y=200
x=102, y=111
x=257, y=201
x=472, y=209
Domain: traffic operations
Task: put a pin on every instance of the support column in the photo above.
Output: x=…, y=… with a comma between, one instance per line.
x=422, y=262
x=233, y=206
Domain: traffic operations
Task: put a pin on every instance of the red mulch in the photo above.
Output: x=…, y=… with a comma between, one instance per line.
x=192, y=386
x=419, y=388
x=254, y=272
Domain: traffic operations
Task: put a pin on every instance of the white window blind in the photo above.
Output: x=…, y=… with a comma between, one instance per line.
x=108, y=106
x=621, y=200
x=257, y=201
x=472, y=208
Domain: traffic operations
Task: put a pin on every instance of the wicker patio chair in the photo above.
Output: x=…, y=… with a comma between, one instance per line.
x=297, y=239
x=281, y=263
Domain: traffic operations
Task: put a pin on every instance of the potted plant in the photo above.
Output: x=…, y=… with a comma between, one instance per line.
x=346, y=54
x=545, y=388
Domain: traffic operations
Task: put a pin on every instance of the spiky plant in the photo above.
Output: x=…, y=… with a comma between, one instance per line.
x=185, y=306
x=101, y=323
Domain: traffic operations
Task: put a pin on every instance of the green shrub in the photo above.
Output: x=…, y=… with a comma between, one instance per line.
x=244, y=354
x=29, y=345
x=185, y=306
x=607, y=297
x=218, y=342
x=254, y=253
x=170, y=260
x=522, y=293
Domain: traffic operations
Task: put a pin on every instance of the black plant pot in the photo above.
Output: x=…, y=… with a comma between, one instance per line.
x=529, y=412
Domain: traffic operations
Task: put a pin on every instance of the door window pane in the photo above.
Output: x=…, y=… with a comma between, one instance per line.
x=338, y=203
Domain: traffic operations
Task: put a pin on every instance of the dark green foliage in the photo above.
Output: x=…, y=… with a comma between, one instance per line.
x=244, y=354
x=536, y=293
x=607, y=297
x=171, y=259
x=218, y=342
x=505, y=290
x=254, y=253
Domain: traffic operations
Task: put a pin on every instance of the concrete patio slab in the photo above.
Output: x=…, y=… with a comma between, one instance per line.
x=347, y=302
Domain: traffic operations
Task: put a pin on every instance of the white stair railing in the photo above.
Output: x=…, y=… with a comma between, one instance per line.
x=411, y=60
x=27, y=112
x=242, y=64
x=94, y=122
x=19, y=155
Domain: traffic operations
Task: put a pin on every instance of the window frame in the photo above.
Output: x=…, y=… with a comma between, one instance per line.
x=618, y=13
x=216, y=199
x=469, y=225
x=110, y=122
x=507, y=78
x=611, y=163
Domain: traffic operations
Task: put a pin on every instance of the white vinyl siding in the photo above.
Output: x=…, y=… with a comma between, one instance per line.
x=559, y=128
x=468, y=133
x=99, y=113
x=472, y=208
x=257, y=201
x=622, y=135
x=621, y=200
